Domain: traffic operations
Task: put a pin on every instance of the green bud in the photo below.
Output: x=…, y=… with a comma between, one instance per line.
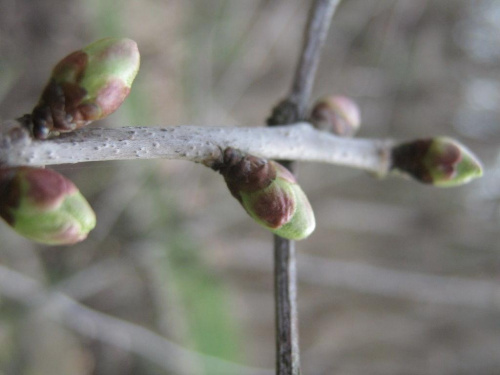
x=86, y=85
x=44, y=206
x=339, y=115
x=438, y=161
x=269, y=193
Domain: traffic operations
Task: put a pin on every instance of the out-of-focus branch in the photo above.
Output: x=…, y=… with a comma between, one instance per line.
x=357, y=277
x=110, y=330
x=416, y=286
x=194, y=143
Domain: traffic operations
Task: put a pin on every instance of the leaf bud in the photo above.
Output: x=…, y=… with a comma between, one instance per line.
x=87, y=85
x=440, y=161
x=269, y=193
x=339, y=115
x=44, y=206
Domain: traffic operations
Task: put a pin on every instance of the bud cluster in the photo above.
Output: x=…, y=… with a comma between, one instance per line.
x=85, y=86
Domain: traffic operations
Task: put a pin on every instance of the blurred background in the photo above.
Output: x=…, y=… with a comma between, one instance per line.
x=398, y=278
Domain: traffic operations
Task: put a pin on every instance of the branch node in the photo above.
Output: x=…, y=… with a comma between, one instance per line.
x=285, y=112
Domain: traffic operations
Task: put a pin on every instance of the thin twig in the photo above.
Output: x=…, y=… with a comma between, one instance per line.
x=285, y=294
x=316, y=33
x=291, y=110
x=99, y=326
x=198, y=144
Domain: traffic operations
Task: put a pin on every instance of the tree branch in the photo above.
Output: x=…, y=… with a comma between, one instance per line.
x=316, y=32
x=293, y=109
x=198, y=144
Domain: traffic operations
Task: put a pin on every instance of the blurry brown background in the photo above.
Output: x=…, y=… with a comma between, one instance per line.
x=398, y=278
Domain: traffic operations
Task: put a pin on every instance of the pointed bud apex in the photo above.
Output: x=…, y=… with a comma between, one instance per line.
x=438, y=161
x=269, y=193
x=339, y=115
x=86, y=85
x=44, y=206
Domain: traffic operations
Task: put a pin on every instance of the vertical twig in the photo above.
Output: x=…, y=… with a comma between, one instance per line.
x=316, y=32
x=293, y=109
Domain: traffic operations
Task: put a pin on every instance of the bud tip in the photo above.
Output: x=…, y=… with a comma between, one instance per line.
x=440, y=161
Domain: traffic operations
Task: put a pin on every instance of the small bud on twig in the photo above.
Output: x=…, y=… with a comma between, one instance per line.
x=441, y=161
x=269, y=193
x=339, y=115
x=86, y=85
x=44, y=206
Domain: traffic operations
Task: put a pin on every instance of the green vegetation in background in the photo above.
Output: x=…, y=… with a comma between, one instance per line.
x=8, y=76
x=229, y=34
x=10, y=317
x=213, y=39
x=205, y=301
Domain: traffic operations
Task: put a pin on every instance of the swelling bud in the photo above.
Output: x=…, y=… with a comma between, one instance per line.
x=44, y=206
x=85, y=86
x=269, y=193
x=441, y=162
x=339, y=115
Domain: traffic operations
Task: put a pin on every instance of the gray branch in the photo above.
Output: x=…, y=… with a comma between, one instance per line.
x=194, y=143
x=316, y=32
x=110, y=330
